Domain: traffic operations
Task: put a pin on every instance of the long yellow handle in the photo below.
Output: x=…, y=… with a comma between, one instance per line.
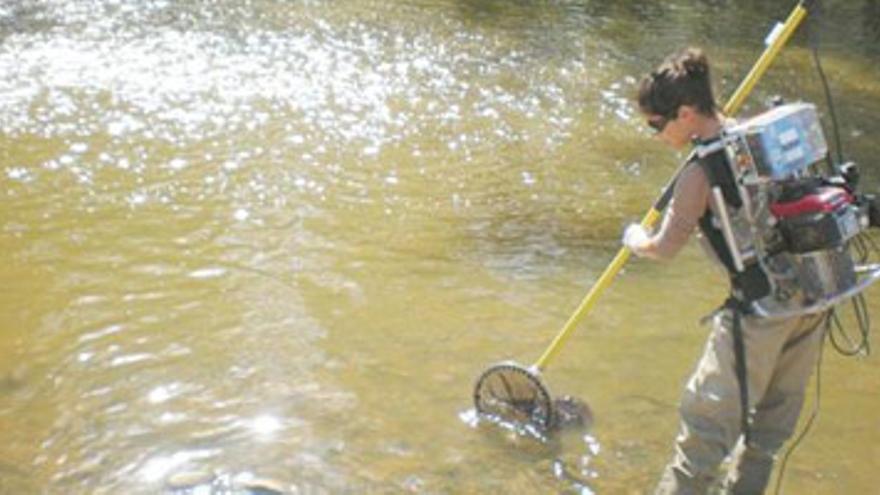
x=732, y=106
x=745, y=88
x=590, y=299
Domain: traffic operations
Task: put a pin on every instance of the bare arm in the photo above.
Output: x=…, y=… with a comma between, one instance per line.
x=689, y=202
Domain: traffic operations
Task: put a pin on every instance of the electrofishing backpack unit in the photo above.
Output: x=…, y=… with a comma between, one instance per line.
x=787, y=229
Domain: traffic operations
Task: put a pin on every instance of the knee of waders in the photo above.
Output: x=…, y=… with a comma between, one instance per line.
x=711, y=424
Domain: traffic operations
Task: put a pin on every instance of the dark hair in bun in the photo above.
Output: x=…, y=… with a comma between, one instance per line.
x=682, y=79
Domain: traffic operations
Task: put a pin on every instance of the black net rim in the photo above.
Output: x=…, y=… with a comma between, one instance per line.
x=545, y=423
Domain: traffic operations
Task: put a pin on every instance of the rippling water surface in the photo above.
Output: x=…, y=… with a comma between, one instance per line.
x=278, y=240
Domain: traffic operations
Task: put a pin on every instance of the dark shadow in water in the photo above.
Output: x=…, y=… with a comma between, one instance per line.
x=587, y=12
x=871, y=21
x=731, y=22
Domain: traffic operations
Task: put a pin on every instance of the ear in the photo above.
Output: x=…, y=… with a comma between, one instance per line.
x=686, y=113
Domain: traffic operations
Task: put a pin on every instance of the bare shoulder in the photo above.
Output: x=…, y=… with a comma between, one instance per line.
x=693, y=174
x=692, y=181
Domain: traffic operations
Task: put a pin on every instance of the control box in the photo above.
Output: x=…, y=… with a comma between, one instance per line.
x=780, y=143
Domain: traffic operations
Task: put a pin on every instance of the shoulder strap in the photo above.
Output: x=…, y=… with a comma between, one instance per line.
x=720, y=174
x=752, y=283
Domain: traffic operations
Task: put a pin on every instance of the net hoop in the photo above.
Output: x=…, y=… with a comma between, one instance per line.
x=513, y=394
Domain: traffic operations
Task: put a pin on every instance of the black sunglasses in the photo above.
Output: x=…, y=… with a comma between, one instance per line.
x=658, y=124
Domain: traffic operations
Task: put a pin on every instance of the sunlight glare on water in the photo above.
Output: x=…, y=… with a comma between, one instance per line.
x=269, y=243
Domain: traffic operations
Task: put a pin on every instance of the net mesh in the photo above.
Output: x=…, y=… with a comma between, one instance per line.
x=515, y=395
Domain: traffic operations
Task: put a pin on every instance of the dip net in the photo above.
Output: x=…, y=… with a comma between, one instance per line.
x=514, y=396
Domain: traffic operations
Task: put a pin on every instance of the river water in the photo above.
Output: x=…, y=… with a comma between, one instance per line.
x=268, y=239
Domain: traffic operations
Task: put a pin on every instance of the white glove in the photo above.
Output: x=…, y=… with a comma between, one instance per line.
x=635, y=237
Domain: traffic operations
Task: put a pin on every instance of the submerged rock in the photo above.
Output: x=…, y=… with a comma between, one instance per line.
x=261, y=486
x=189, y=479
x=13, y=379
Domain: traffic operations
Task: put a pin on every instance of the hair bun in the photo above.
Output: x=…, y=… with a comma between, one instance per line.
x=694, y=62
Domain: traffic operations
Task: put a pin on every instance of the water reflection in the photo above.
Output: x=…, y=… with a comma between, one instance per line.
x=264, y=240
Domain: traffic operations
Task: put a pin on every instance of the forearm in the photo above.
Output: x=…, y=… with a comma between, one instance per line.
x=680, y=220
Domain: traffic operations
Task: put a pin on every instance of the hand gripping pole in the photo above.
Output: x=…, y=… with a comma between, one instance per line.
x=780, y=36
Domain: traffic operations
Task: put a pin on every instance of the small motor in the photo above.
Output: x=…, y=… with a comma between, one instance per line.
x=813, y=218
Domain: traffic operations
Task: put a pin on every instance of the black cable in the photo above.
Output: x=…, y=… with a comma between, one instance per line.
x=869, y=245
x=860, y=308
x=845, y=350
x=860, y=248
x=852, y=348
x=863, y=316
x=813, y=31
x=813, y=414
x=864, y=247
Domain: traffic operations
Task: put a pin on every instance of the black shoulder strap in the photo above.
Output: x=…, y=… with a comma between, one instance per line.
x=719, y=173
x=741, y=369
x=752, y=283
x=716, y=240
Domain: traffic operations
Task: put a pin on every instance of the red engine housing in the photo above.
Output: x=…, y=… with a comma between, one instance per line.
x=824, y=199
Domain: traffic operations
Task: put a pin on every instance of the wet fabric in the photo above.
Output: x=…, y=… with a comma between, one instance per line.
x=781, y=355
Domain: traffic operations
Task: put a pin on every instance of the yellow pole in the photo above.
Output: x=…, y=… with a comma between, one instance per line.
x=653, y=215
x=745, y=88
x=590, y=299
